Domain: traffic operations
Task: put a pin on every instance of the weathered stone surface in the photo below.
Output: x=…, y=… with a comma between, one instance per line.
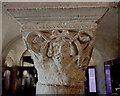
x=60, y=39
x=61, y=57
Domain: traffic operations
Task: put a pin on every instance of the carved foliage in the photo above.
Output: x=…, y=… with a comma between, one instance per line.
x=58, y=44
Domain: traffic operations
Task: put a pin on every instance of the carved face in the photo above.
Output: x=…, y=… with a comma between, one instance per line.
x=64, y=46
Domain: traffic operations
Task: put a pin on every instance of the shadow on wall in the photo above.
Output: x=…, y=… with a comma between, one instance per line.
x=99, y=64
x=107, y=45
x=107, y=36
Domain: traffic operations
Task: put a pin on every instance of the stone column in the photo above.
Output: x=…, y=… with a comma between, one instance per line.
x=61, y=57
x=14, y=79
x=60, y=38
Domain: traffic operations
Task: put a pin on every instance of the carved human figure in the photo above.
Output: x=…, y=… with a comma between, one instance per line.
x=61, y=58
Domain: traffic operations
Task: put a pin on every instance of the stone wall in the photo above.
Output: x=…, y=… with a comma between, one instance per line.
x=10, y=31
x=106, y=45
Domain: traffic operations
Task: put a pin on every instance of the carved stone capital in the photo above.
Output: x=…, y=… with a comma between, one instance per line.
x=61, y=56
x=60, y=38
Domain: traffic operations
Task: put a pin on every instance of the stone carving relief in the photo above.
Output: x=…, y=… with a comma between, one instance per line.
x=61, y=56
x=62, y=53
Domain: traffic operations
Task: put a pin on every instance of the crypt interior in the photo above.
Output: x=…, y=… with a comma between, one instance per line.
x=60, y=48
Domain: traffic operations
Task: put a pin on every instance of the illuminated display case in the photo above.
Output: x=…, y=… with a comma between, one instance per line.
x=91, y=83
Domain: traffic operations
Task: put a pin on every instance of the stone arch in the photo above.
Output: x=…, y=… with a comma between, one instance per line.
x=6, y=49
x=20, y=62
x=25, y=53
x=15, y=48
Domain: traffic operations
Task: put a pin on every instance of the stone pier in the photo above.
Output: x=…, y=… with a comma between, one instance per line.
x=60, y=38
